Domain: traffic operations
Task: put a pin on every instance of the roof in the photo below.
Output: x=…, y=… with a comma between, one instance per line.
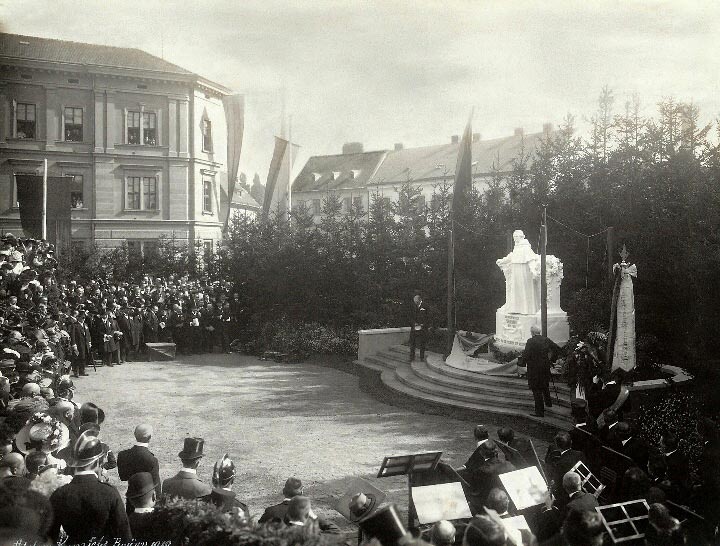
x=341, y=171
x=242, y=199
x=438, y=162
x=62, y=51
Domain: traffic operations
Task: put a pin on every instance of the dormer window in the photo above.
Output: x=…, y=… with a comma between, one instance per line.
x=355, y=173
x=335, y=175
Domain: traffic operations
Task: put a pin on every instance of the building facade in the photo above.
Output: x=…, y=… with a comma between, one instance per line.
x=144, y=140
x=356, y=177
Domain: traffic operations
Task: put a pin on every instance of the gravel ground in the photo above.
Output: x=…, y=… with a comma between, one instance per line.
x=274, y=420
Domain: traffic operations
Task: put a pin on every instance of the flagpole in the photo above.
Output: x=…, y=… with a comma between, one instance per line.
x=44, y=202
x=543, y=274
x=290, y=162
x=451, y=285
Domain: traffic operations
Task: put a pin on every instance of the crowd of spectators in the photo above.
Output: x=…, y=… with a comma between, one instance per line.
x=54, y=462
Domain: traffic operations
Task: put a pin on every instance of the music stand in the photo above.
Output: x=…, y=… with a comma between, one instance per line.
x=515, y=454
x=401, y=465
x=625, y=521
x=590, y=484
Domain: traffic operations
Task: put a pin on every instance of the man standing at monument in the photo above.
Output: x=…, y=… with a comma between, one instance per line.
x=418, y=327
x=536, y=358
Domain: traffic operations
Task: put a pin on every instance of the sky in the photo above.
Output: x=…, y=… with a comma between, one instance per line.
x=388, y=71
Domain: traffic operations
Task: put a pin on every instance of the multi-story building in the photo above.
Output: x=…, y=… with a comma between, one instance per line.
x=356, y=176
x=144, y=140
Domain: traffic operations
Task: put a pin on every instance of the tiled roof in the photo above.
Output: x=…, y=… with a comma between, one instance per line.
x=328, y=172
x=242, y=199
x=430, y=162
x=61, y=51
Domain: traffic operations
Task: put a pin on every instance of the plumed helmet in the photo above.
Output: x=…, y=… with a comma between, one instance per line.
x=223, y=472
x=87, y=449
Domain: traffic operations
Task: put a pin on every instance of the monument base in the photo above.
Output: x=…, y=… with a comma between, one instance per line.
x=513, y=329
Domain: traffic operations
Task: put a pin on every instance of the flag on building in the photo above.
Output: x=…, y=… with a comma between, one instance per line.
x=235, y=118
x=463, y=176
x=30, y=202
x=278, y=180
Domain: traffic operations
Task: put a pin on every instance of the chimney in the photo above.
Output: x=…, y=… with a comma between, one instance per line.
x=519, y=131
x=398, y=146
x=352, y=148
x=476, y=137
x=548, y=129
x=455, y=139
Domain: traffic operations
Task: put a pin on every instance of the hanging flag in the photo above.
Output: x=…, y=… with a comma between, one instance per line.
x=235, y=118
x=30, y=201
x=277, y=186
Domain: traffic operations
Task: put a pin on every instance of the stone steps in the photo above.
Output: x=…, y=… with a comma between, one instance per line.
x=436, y=384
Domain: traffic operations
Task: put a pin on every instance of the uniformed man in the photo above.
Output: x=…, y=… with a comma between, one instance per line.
x=222, y=494
x=86, y=507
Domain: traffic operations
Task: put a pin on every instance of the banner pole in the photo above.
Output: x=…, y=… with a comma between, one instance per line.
x=44, y=203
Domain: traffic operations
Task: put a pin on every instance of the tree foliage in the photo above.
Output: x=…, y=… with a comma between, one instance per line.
x=654, y=179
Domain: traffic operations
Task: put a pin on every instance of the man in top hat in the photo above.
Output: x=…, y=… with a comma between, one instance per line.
x=185, y=484
x=276, y=513
x=141, y=496
x=139, y=458
x=222, y=494
x=80, y=342
x=86, y=507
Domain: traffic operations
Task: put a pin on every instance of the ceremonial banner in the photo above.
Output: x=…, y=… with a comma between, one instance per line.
x=235, y=118
x=278, y=180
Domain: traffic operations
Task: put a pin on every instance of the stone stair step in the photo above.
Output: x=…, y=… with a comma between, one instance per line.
x=479, y=387
x=391, y=380
x=497, y=400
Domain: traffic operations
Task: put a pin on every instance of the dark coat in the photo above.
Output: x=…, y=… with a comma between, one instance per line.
x=123, y=322
x=80, y=336
x=145, y=528
x=227, y=501
x=150, y=327
x=580, y=500
x=637, y=450
x=535, y=357
x=107, y=327
x=419, y=315
x=603, y=399
x=138, y=459
x=186, y=486
x=87, y=508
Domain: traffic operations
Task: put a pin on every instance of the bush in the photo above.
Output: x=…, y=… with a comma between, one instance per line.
x=197, y=523
x=305, y=338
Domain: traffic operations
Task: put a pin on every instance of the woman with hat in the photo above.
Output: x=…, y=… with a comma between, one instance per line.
x=46, y=434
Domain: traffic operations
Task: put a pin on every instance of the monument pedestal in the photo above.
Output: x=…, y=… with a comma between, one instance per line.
x=512, y=330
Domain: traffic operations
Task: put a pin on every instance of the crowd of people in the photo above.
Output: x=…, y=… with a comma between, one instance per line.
x=54, y=461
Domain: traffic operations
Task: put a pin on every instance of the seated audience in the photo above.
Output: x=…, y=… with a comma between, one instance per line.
x=582, y=528
x=577, y=498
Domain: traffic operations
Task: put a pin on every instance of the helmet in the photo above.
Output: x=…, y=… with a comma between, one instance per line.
x=223, y=472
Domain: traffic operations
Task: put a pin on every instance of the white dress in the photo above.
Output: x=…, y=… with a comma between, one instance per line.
x=624, y=350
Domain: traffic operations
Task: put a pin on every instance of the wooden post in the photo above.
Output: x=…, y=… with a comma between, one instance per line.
x=543, y=273
x=610, y=251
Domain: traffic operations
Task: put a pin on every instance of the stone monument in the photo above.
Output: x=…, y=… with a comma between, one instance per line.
x=522, y=297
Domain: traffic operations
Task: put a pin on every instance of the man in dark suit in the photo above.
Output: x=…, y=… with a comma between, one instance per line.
x=81, y=344
x=185, y=484
x=277, y=513
x=605, y=398
x=608, y=432
x=139, y=459
x=141, y=496
x=536, y=358
x=482, y=471
x=123, y=322
x=577, y=498
x=418, y=327
x=87, y=508
x=559, y=461
x=678, y=467
x=583, y=432
x=107, y=326
x=630, y=445
x=521, y=453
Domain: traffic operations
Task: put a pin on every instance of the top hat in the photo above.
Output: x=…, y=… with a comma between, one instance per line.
x=192, y=448
x=384, y=525
x=362, y=505
x=87, y=449
x=140, y=484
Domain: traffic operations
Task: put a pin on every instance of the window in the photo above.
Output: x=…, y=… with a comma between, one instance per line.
x=347, y=205
x=76, y=191
x=357, y=202
x=141, y=193
x=133, y=127
x=25, y=121
x=316, y=207
x=139, y=248
x=73, y=119
x=207, y=195
x=134, y=249
x=149, y=128
x=208, y=247
x=142, y=128
x=207, y=135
